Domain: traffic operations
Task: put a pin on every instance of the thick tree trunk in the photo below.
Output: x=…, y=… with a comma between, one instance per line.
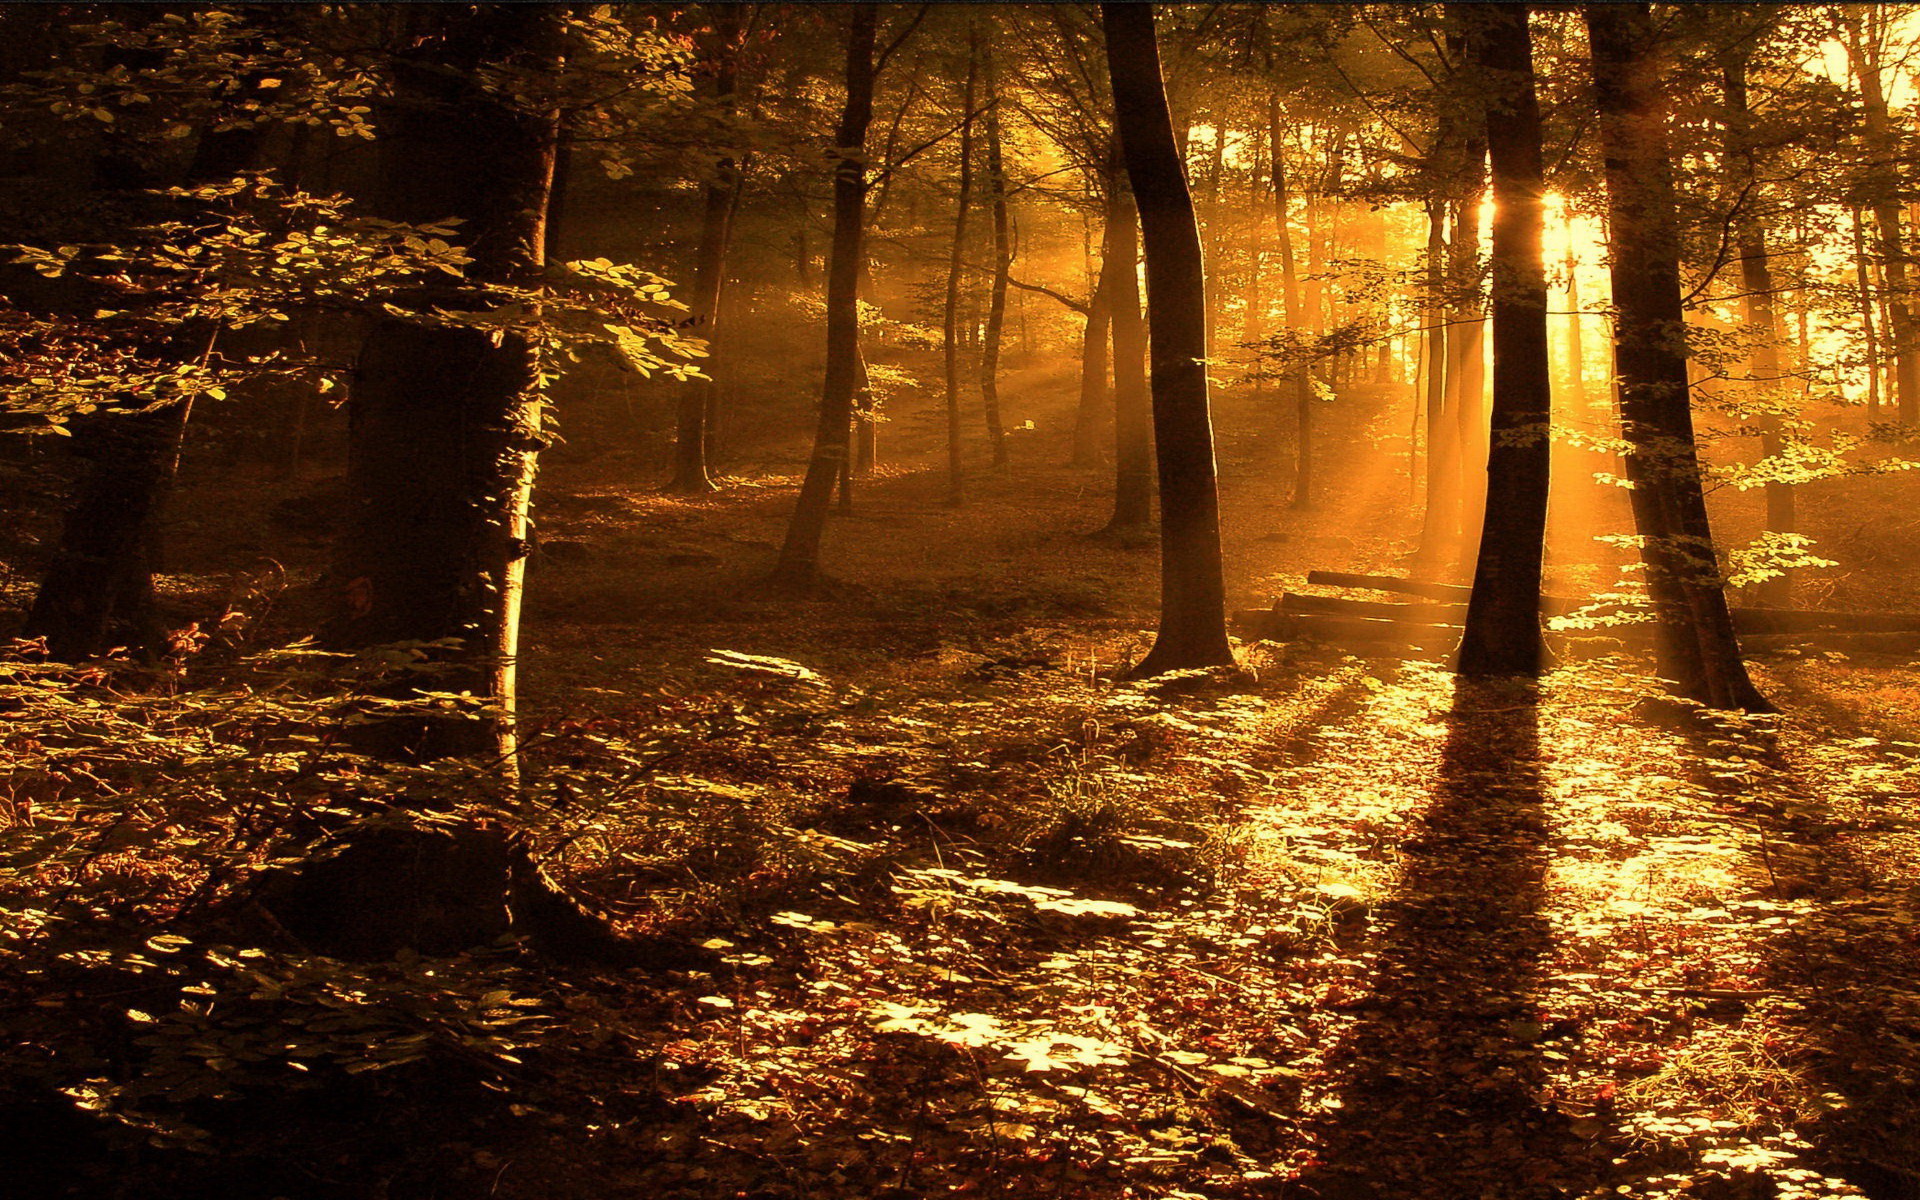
x=1002, y=264
x=1193, y=618
x=445, y=427
x=1132, y=403
x=1698, y=650
x=445, y=422
x=798, y=568
x=1503, y=615
x=98, y=590
x=693, y=434
x=950, y=319
x=1757, y=309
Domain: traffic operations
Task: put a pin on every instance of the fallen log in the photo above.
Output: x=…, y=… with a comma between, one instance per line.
x=1360, y=629
x=1746, y=620
x=1393, y=610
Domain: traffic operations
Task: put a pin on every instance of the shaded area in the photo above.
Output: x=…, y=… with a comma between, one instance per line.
x=1443, y=1068
x=1852, y=961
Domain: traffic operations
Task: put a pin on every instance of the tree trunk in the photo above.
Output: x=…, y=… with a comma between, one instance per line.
x=1863, y=280
x=1757, y=308
x=1503, y=615
x=1132, y=405
x=1698, y=650
x=445, y=426
x=1904, y=346
x=950, y=326
x=1466, y=338
x=444, y=421
x=1094, y=340
x=692, y=436
x=1438, y=526
x=866, y=424
x=1576, y=351
x=1193, y=618
x=98, y=590
x=798, y=568
x=1002, y=264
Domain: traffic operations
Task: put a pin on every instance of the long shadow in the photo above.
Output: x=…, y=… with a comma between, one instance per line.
x=1852, y=965
x=1442, y=1070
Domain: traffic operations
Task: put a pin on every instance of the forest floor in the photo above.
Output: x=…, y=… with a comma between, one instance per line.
x=966, y=913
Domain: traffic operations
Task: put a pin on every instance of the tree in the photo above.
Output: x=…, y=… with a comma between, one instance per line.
x=1133, y=460
x=1757, y=297
x=1698, y=651
x=798, y=567
x=1193, y=623
x=98, y=591
x=956, y=264
x=1002, y=265
x=446, y=425
x=1502, y=635
x=694, y=421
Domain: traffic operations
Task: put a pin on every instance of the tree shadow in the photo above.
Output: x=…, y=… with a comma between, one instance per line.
x=1850, y=961
x=1442, y=1073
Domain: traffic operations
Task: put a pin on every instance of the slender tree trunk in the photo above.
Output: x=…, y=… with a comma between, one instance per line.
x=798, y=567
x=1901, y=334
x=1002, y=264
x=950, y=340
x=692, y=435
x=1193, y=619
x=1132, y=405
x=1863, y=280
x=1283, y=218
x=1502, y=634
x=866, y=428
x=1466, y=339
x=1253, y=323
x=1094, y=392
x=1437, y=528
x=1758, y=315
x=1576, y=350
x=1299, y=382
x=1698, y=650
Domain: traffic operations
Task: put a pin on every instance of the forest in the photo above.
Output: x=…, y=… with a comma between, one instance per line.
x=798, y=601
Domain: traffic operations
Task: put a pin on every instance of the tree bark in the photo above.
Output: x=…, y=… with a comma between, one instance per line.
x=1698, y=650
x=798, y=567
x=1193, y=619
x=693, y=432
x=1503, y=615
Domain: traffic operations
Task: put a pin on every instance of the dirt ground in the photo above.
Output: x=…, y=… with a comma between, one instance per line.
x=988, y=920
